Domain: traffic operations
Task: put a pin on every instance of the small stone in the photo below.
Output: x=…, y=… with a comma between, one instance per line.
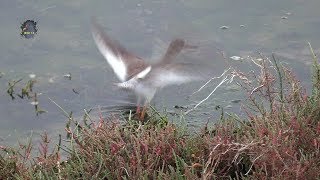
x=67, y=76
x=242, y=26
x=180, y=107
x=284, y=17
x=172, y=113
x=224, y=27
x=32, y=76
x=236, y=58
x=236, y=101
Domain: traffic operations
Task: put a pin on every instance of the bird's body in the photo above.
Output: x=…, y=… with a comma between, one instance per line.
x=135, y=74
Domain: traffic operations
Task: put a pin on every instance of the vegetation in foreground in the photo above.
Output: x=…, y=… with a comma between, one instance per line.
x=278, y=139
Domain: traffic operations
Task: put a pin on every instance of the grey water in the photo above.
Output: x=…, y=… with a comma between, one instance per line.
x=63, y=45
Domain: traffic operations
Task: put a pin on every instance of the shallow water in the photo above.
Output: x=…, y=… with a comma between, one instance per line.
x=64, y=45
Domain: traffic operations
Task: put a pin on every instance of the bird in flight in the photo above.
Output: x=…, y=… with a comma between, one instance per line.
x=139, y=76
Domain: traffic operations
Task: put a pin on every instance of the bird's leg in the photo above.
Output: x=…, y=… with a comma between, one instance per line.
x=144, y=110
x=138, y=105
x=138, y=109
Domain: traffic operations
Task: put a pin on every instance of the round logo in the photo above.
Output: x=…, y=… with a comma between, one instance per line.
x=29, y=29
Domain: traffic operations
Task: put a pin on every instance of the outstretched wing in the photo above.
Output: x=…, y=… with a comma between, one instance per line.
x=173, y=50
x=124, y=64
x=175, y=47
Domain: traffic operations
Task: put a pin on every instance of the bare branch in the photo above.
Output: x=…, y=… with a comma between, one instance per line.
x=227, y=78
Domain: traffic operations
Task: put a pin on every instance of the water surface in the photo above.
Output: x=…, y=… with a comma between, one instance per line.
x=64, y=45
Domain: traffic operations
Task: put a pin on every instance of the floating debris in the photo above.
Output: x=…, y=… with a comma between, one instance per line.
x=180, y=107
x=236, y=101
x=224, y=27
x=32, y=76
x=284, y=17
x=34, y=103
x=76, y=92
x=236, y=58
x=51, y=80
x=173, y=113
x=67, y=76
x=206, y=113
x=228, y=107
x=242, y=26
x=288, y=13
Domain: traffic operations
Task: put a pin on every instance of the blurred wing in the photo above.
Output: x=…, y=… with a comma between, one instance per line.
x=175, y=47
x=173, y=50
x=177, y=74
x=117, y=56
